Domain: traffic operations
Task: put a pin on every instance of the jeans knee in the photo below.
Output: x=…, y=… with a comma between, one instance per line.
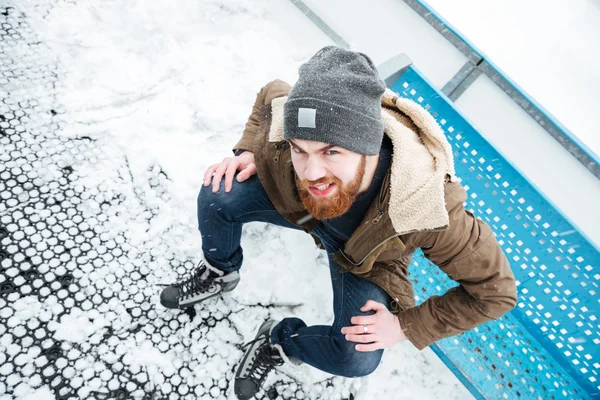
x=209, y=202
x=354, y=363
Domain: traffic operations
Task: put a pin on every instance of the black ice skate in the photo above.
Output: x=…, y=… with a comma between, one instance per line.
x=202, y=284
x=259, y=359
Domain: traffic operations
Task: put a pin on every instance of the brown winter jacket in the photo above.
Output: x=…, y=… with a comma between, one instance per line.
x=420, y=205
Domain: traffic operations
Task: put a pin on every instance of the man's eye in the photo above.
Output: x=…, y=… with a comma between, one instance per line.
x=332, y=152
x=296, y=150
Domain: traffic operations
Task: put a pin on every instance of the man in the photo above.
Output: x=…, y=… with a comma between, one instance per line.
x=370, y=176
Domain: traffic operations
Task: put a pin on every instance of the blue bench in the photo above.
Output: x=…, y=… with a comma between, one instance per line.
x=548, y=346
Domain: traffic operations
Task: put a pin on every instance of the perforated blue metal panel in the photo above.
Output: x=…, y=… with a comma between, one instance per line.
x=548, y=346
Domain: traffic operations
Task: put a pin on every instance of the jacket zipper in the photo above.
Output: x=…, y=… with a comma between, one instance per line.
x=380, y=212
x=374, y=221
x=380, y=204
x=378, y=217
x=280, y=146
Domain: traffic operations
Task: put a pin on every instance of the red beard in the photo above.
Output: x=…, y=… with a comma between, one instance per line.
x=336, y=204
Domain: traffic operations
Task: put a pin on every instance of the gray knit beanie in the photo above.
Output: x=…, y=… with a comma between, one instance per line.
x=337, y=100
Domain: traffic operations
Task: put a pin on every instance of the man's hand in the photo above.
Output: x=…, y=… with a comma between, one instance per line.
x=228, y=167
x=383, y=328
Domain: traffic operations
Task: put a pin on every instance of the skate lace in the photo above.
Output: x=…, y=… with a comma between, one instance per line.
x=197, y=283
x=263, y=362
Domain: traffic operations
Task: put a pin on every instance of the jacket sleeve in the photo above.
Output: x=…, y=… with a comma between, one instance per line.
x=271, y=90
x=470, y=255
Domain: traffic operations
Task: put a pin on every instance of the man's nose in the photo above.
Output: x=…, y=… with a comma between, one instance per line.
x=314, y=170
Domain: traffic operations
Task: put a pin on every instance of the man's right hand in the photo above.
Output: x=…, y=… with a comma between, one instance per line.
x=228, y=167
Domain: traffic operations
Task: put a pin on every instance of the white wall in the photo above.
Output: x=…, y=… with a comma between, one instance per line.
x=385, y=28
x=548, y=47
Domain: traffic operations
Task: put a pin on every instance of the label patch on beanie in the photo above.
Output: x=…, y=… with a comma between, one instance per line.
x=307, y=118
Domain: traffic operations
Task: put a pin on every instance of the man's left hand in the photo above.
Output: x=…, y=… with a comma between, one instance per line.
x=381, y=330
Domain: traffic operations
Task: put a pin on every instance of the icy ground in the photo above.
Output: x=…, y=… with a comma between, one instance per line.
x=109, y=114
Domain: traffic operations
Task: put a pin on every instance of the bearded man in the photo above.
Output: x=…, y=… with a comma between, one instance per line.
x=370, y=176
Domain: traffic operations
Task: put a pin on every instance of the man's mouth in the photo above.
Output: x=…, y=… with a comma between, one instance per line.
x=322, y=189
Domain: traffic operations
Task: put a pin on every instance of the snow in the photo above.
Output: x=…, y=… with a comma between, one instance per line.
x=203, y=65
x=547, y=47
x=26, y=308
x=76, y=326
x=25, y=392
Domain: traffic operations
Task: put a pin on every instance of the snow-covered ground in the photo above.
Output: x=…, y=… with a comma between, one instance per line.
x=123, y=105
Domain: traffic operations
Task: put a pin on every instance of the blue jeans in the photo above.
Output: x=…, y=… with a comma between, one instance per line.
x=220, y=219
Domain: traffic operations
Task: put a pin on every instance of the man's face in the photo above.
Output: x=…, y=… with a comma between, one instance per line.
x=328, y=177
